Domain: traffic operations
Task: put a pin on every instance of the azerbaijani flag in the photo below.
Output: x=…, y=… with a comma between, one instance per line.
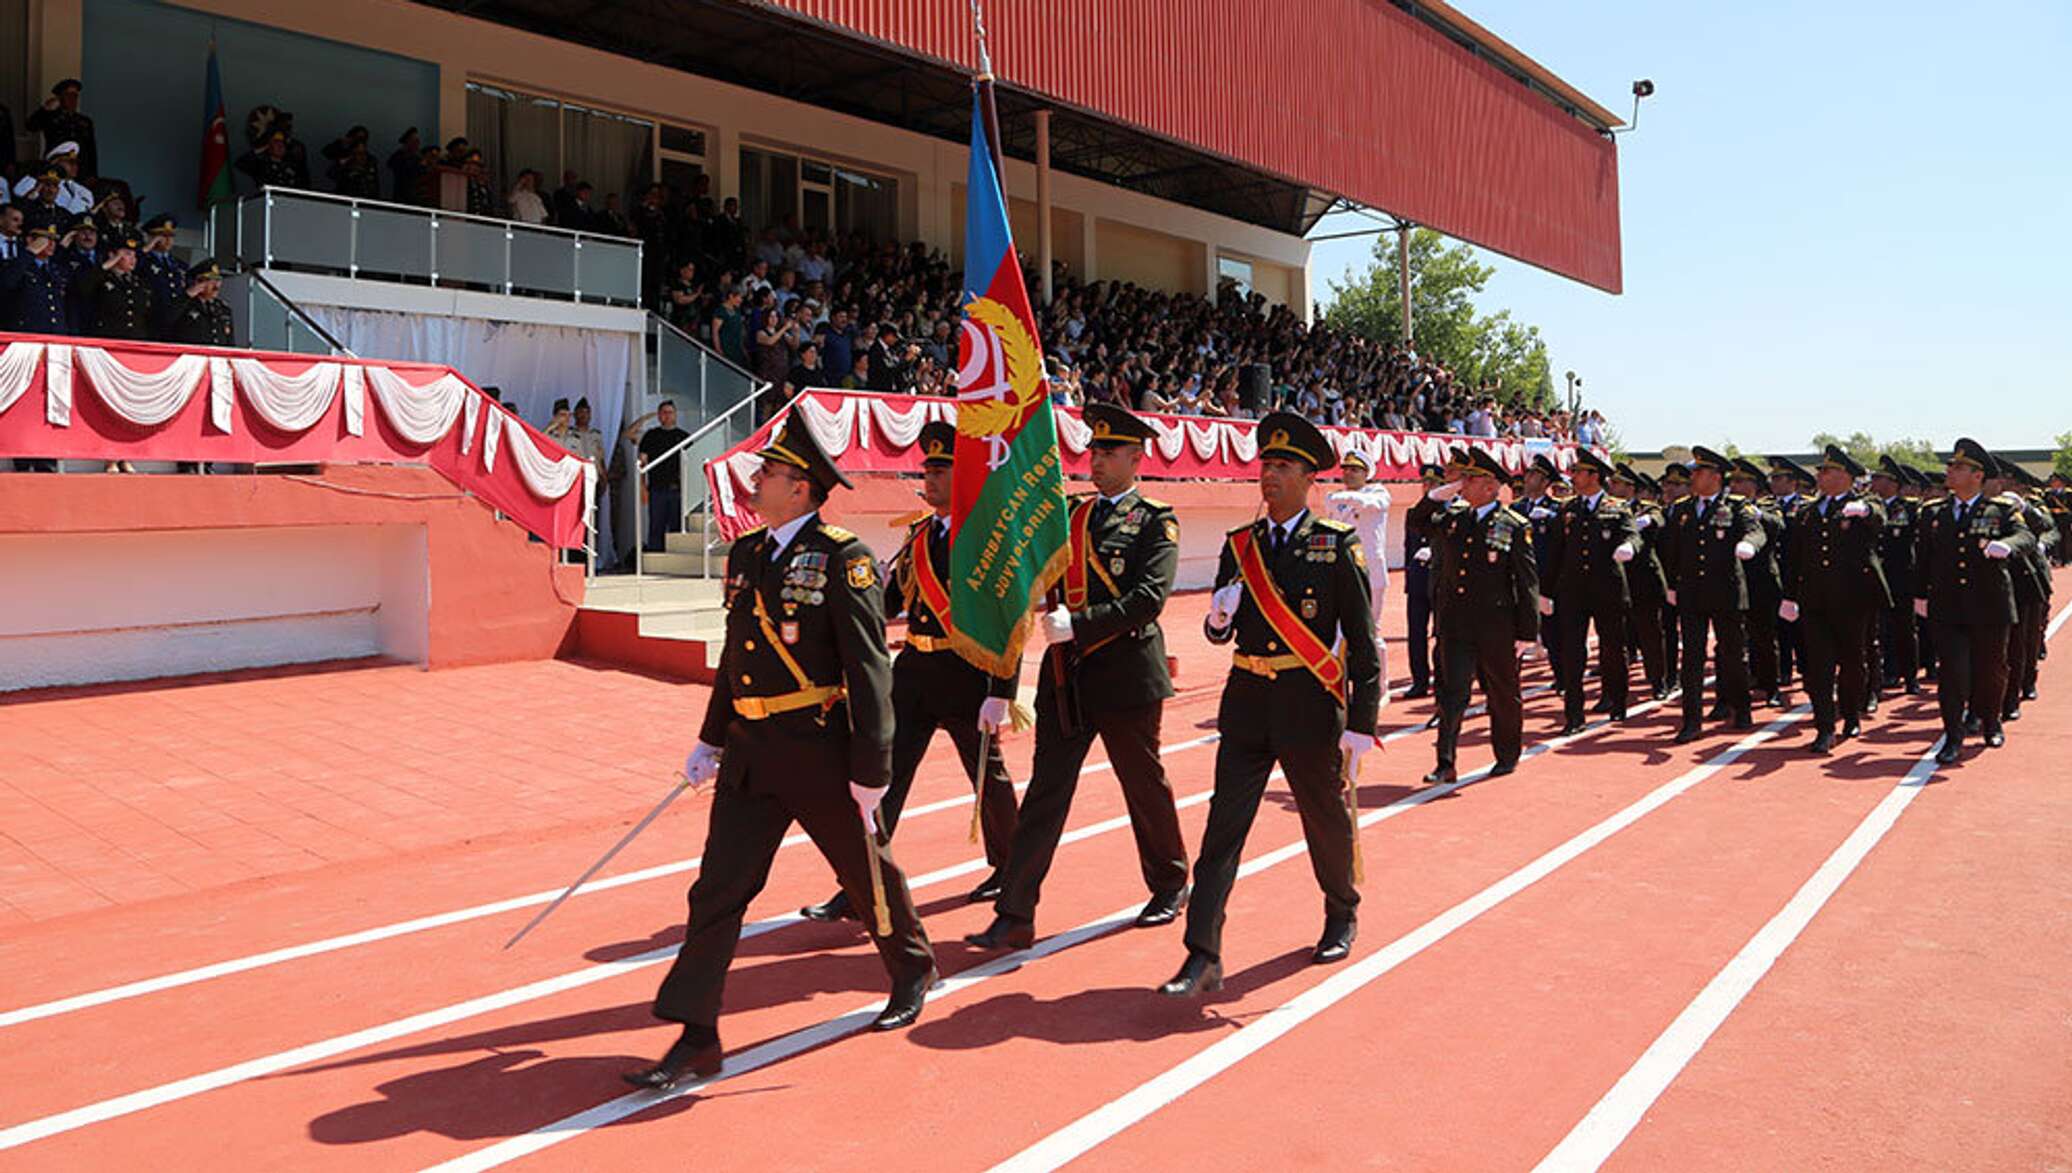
x=1007, y=496
x=215, y=140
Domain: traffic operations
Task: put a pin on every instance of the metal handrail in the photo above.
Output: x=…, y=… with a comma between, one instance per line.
x=289, y=304
x=719, y=357
x=421, y=210
x=675, y=452
x=746, y=401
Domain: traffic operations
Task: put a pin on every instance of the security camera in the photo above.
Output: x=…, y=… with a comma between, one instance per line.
x=1643, y=88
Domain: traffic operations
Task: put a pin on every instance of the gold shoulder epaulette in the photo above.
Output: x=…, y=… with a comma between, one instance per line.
x=910, y=520
x=1334, y=525
x=837, y=533
x=1154, y=502
x=754, y=532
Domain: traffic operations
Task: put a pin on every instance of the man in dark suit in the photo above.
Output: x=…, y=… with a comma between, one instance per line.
x=1486, y=593
x=1707, y=538
x=798, y=729
x=1590, y=544
x=935, y=688
x=1291, y=588
x=1837, y=590
x=1968, y=541
x=1104, y=674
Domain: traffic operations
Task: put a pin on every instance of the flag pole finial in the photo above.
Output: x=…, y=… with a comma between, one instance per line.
x=978, y=25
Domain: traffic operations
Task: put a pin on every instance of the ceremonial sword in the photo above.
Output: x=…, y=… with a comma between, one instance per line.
x=683, y=783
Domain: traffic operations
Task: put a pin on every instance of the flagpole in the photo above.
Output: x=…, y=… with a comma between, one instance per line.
x=983, y=83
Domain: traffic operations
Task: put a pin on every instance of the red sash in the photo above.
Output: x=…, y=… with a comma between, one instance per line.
x=932, y=591
x=1312, y=651
x=1080, y=542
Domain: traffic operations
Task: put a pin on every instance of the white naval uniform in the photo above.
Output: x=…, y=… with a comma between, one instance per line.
x=1367, y=511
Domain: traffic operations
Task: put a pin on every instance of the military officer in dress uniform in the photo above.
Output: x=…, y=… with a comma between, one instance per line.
x=1790, y=482
x=799, y=728
x=33, y=286
x=62, y=163
x=61, y=124
x=1591, y=542
x=1486, y=594
x=163, y=272
x=1708, y=537
x=1967, y=544
x=1304, y=690
x=1644, y=575
x=1897, y=659
x=1417, y=574
x=1536, y=500
x=1765, y=574
x=2031, y=572
x=1104, y=674
x=1364, y=506
x=199, y=316
x=2057, y=501
x=1674, y=486
x=1836, y=592
x=932, y=686
x=117, y=302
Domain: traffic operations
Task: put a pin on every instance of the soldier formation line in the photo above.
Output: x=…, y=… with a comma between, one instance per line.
x=1847, y=581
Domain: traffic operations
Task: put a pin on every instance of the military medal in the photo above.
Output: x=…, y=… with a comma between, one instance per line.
x=1116, y=565
x=1309, y=608
x=790, y=631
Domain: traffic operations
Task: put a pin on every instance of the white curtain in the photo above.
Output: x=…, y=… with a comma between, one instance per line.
x=143, y=399
x=292, y=403
x=17, y=367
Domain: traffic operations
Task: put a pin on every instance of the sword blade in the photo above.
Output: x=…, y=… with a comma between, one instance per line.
x=606, y=858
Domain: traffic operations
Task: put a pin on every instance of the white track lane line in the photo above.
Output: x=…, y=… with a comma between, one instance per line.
x=1082, y=1135
x=808, y=1038
x=43, y=1127
x=1607, y=1125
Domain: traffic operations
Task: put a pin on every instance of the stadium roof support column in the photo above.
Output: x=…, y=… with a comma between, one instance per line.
x=1043, y=201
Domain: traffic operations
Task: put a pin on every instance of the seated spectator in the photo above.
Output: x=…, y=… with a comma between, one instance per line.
x=525, y=203
x=859, y=376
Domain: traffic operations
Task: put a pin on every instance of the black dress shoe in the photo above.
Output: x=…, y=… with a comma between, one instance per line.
x=986, y=892
x=1951, y=750
x=905, y=1004
x=1573, y=726
x=1995, y=739
x=1971, y=726
x=1823, y=743
x=695, y=1053
x=1719, y=712
x=1502, y=768
x=1870, y=705
x=2011, y=713
x=1162, y=909
x=1742, y=722
x=2029, y=694
x=1603, y=705
x=1004, y=933
x=1415, y=692
x=1199, y=974
x=1440, y=776
x=1687, y=734
x=834, y=908
x=1616, y=715
x=1851, y=728
x=1337, y=942
x=1432, y=722
x=1913, y=688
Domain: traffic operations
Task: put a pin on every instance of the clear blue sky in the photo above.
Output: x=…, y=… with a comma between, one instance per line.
x=1836, y=216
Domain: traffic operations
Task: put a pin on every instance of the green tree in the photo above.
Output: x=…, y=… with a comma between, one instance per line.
x=1866, y=450
x=2061, y=460
x=1443, y=283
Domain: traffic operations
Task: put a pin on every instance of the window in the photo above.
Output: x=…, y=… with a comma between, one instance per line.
x=619, y=154
x=816, y=195
x=1236, y=270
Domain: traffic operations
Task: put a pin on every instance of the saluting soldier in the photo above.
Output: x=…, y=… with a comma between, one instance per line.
x=1304, y=690
x=1364, y=506
x=2031, y=573
x=1486, y=593
x=199, y=316
x=1592, y=541
x=33, y=285
x=1837, y=591
x=1644, y=575
x=1707, y=539
x=1104, y=674
x=935, y=688
x=798, y=729
x=1898, y=660
x=117, y=303
x=1968, y=540
x=1766, y=575
x=160, y=270
x=1417, y=574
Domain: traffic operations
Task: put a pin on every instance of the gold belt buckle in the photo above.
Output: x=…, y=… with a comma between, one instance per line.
x=754, y=708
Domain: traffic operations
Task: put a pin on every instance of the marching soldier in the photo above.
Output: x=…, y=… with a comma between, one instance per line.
x=1536, y=500
x=1765, y=573
x=1675, y=486
x=1291, y=589
x=2057, y=501
x=1837, y=590
x=1104, y=674
x=1898, y=661
x=2031, y=572
x=1644, y=576
x=935, y=688
x=1485, y=592
x=1591, y=542
x=1707, y=539
x=1365, y=507
x=1417, y=575
x=1789, y=484
x=199, y=316
x=799, y=728
x=1968, y=541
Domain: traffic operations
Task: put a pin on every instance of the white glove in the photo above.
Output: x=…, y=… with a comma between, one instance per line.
x=1423, y=555
x=1624, y=553
x=1788, y=611
x=1223, y=604
x=1546, y=604
x=1670, y=594
x=1352, y=746
x=1057, y=627
x=1744, y=550
x=1526, y=647
x=1643, y=521
x=867, y=799
x=703, y=764
x=1921, y=608
x=1998, y=549
x=1856, y=509
x=1541, y=514
x=992, y=715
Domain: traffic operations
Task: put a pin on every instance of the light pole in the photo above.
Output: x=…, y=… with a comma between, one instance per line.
x=1575, y=398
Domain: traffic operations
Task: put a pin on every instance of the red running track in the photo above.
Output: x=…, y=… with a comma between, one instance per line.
x=1493, y=1001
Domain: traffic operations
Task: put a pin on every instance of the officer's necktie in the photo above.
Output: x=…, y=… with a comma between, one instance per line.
x=1959, y=516
x=1100, y=513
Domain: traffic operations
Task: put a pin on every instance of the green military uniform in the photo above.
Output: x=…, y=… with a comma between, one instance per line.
x=1645, y=582
x=1971, y=601
x=1586, y=580
x=1838, y=585
x=1766, y=574
x=116, y=305
x=1276, y=708
x=197, y=321
x=2032, y=590
x=1110, y=680
x=1790, y=644
x=2057, y=501
x=1700, y=551
x=1486, y=596
x=1675, y=483
x=1896, y=658
x=1418, y=521
x=801, y=707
